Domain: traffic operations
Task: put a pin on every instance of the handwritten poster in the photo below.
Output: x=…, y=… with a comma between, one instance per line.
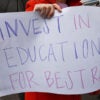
x=59, y=55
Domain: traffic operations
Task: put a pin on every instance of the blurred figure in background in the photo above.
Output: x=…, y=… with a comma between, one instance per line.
x=12, y=5
x=90, y=2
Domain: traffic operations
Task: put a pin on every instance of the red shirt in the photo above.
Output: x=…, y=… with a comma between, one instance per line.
x=31, y=3
x=48, y=96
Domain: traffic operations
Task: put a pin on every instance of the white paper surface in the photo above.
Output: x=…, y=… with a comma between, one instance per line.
x=59, y=55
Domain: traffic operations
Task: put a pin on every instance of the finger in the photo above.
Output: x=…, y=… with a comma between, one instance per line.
x=48, y=10
x=43, y=12
x=37, y=8
x=51, y=12
x=56, y=6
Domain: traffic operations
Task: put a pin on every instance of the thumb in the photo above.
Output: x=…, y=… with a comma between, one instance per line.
x=57, y=7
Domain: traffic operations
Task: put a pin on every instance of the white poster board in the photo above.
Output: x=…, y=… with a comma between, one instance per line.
x=59, y=55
